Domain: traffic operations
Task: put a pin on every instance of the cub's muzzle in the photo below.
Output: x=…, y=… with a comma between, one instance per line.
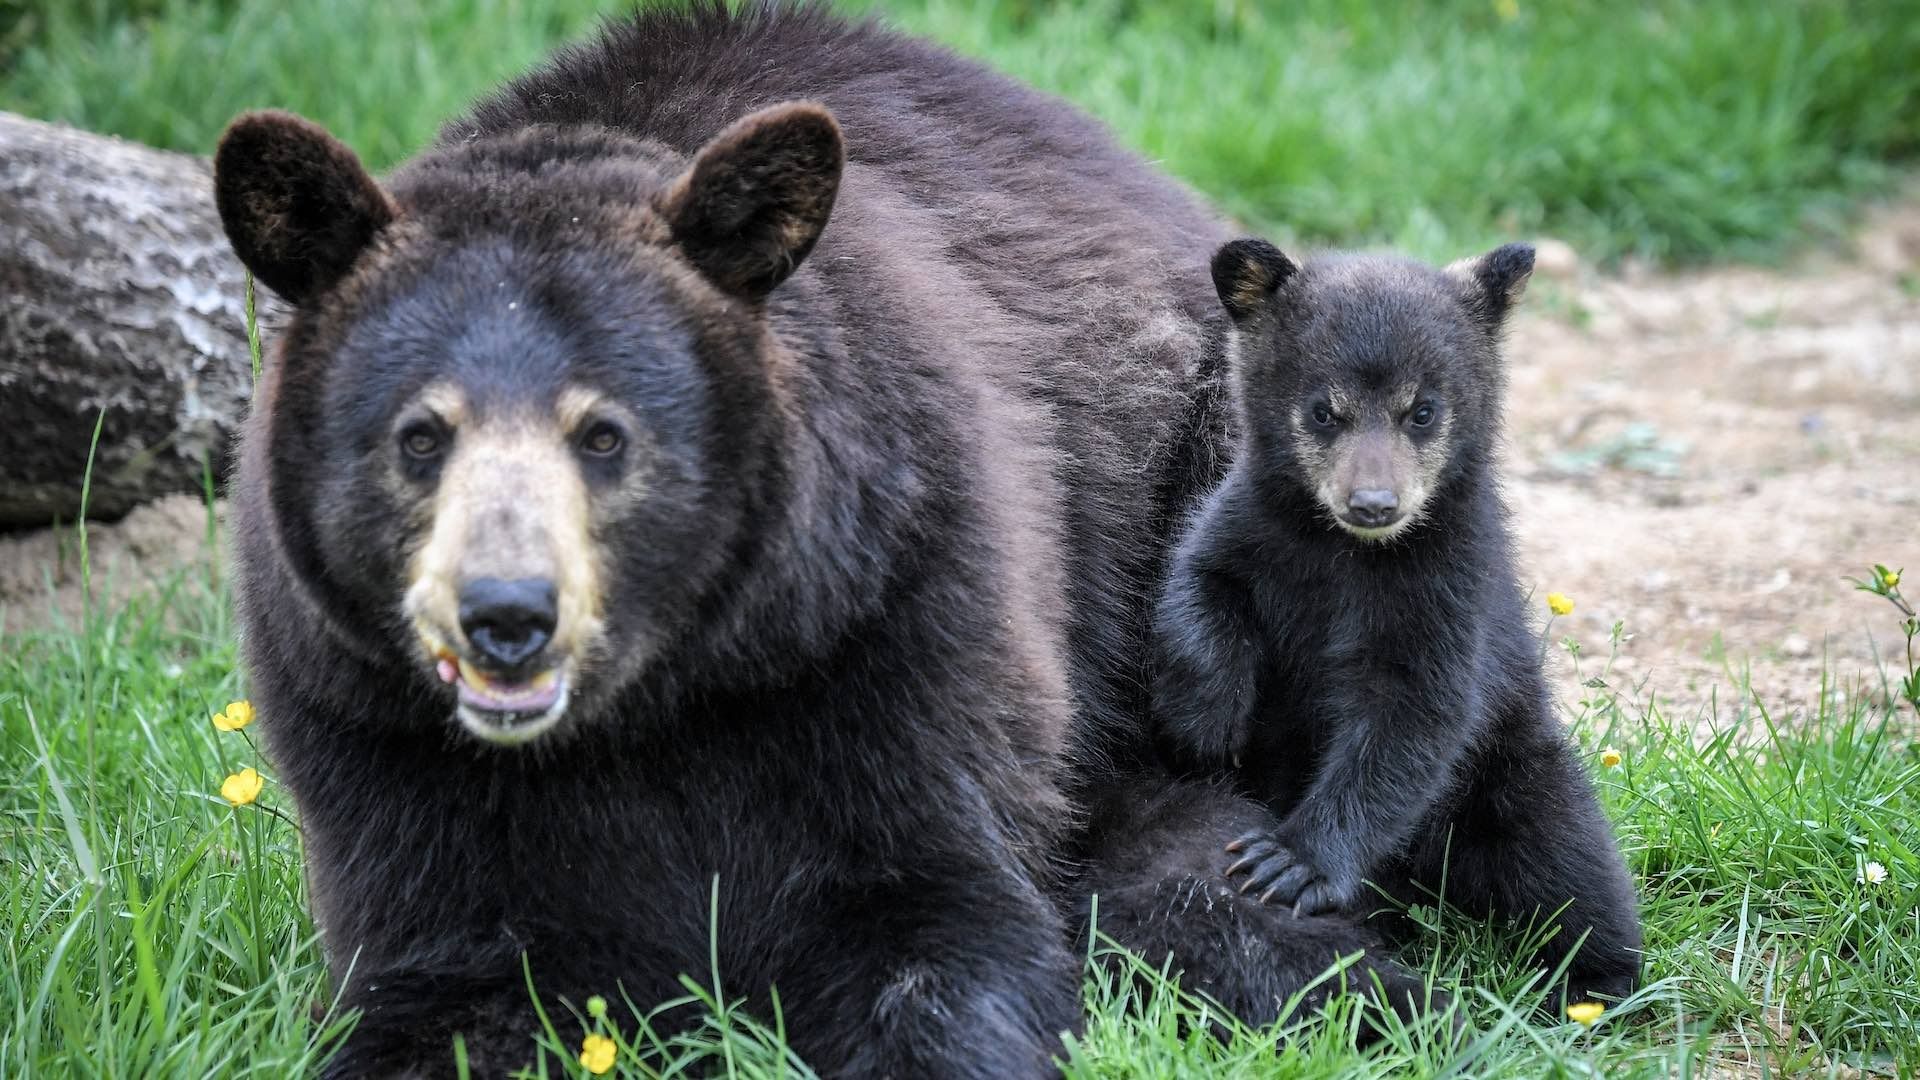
x=1373, y=508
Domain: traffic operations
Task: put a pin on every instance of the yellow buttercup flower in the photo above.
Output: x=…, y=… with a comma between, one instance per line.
x=242, y=787
x=596, y=1054
x=1559, y=603
x=1585, y=1013
x=236, y=715
x=1889, y=578
x=1610, y=758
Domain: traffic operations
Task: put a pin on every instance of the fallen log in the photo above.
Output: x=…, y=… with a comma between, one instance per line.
x=121, y=303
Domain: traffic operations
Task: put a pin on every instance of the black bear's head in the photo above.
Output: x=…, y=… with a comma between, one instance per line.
x=526, y=411
x=1367, y=382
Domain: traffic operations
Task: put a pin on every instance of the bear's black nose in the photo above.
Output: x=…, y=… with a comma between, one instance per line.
x=507, y=622
x=1372, y=508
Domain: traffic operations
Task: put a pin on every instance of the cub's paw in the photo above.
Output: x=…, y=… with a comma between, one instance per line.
x=1281, y=872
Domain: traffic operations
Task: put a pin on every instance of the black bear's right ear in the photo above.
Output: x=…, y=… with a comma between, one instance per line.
x=297, y=205
x=1247, y=272
x=757, y=196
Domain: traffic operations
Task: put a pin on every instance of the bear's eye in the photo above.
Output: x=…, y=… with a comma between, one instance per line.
x=1322, y=415
x=420, y=440
x=602, y=440
x=1422, y=416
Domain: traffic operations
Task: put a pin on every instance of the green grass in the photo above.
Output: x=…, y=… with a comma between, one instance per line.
x=1679, y=129
x=150, y=929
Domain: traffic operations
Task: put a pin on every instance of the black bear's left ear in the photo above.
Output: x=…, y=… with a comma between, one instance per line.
x=754, y=200
x=1495, y=281
x=1247, y=272
x=297, y=205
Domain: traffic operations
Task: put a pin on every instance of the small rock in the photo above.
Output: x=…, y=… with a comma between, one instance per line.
x=1797, y=646
x=1555, y=259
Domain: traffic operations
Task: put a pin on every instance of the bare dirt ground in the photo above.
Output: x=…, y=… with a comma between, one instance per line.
x=40, y=570
x=1704, y=456
x=1700, y=456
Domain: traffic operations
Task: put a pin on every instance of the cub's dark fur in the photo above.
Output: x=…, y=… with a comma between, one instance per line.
x=1342, y=627
x=793, y=397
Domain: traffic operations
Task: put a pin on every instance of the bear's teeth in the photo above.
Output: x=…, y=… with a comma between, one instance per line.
x=478, y=680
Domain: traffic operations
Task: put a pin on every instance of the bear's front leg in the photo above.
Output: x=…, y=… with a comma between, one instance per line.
x=951, y=971
x=1206, y=656
x=408, y=1022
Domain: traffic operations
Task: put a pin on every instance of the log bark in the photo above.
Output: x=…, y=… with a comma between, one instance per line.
x=118, y=296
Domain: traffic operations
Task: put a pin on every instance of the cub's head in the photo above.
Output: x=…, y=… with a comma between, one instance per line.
x=1367, y=381
x=523, y=416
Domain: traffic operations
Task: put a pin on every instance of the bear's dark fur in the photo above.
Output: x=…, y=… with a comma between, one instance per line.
x=846, y=563
x=1342, y=626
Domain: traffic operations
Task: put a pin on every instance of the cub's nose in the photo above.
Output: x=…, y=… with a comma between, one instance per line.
x=507, y=622
x=1373, y=508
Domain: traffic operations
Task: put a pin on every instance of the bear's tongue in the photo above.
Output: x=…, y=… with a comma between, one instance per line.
x=480, y=692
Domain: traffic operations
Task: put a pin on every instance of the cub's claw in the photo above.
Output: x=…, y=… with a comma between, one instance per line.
x=1289, y=883
x=1253, y=857
x=1268, y=865
x=1278, y=874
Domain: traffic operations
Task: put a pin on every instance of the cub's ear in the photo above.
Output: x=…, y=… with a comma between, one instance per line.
x=1495, y=281
x=297, y=205
x=754, y=200
x=1246, y=273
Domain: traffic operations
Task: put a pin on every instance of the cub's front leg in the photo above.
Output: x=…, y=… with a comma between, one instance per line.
x=1396, y=741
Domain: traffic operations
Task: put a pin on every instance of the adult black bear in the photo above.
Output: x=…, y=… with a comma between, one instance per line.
x=1342, y=627
x=612, y=525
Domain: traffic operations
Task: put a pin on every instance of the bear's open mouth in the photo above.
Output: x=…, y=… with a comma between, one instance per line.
x=505, y=712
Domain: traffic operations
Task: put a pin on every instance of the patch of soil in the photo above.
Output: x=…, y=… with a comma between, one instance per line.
x=1700, y=456
x=1705, y=456
x=155, y=545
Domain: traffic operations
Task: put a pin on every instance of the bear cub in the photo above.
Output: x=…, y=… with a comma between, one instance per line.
x=1341, y=626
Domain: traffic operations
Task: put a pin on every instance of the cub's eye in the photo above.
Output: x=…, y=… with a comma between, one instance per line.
x=1322, y=415
x=1422, y=416
x=420, y=440
x=602, y=440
